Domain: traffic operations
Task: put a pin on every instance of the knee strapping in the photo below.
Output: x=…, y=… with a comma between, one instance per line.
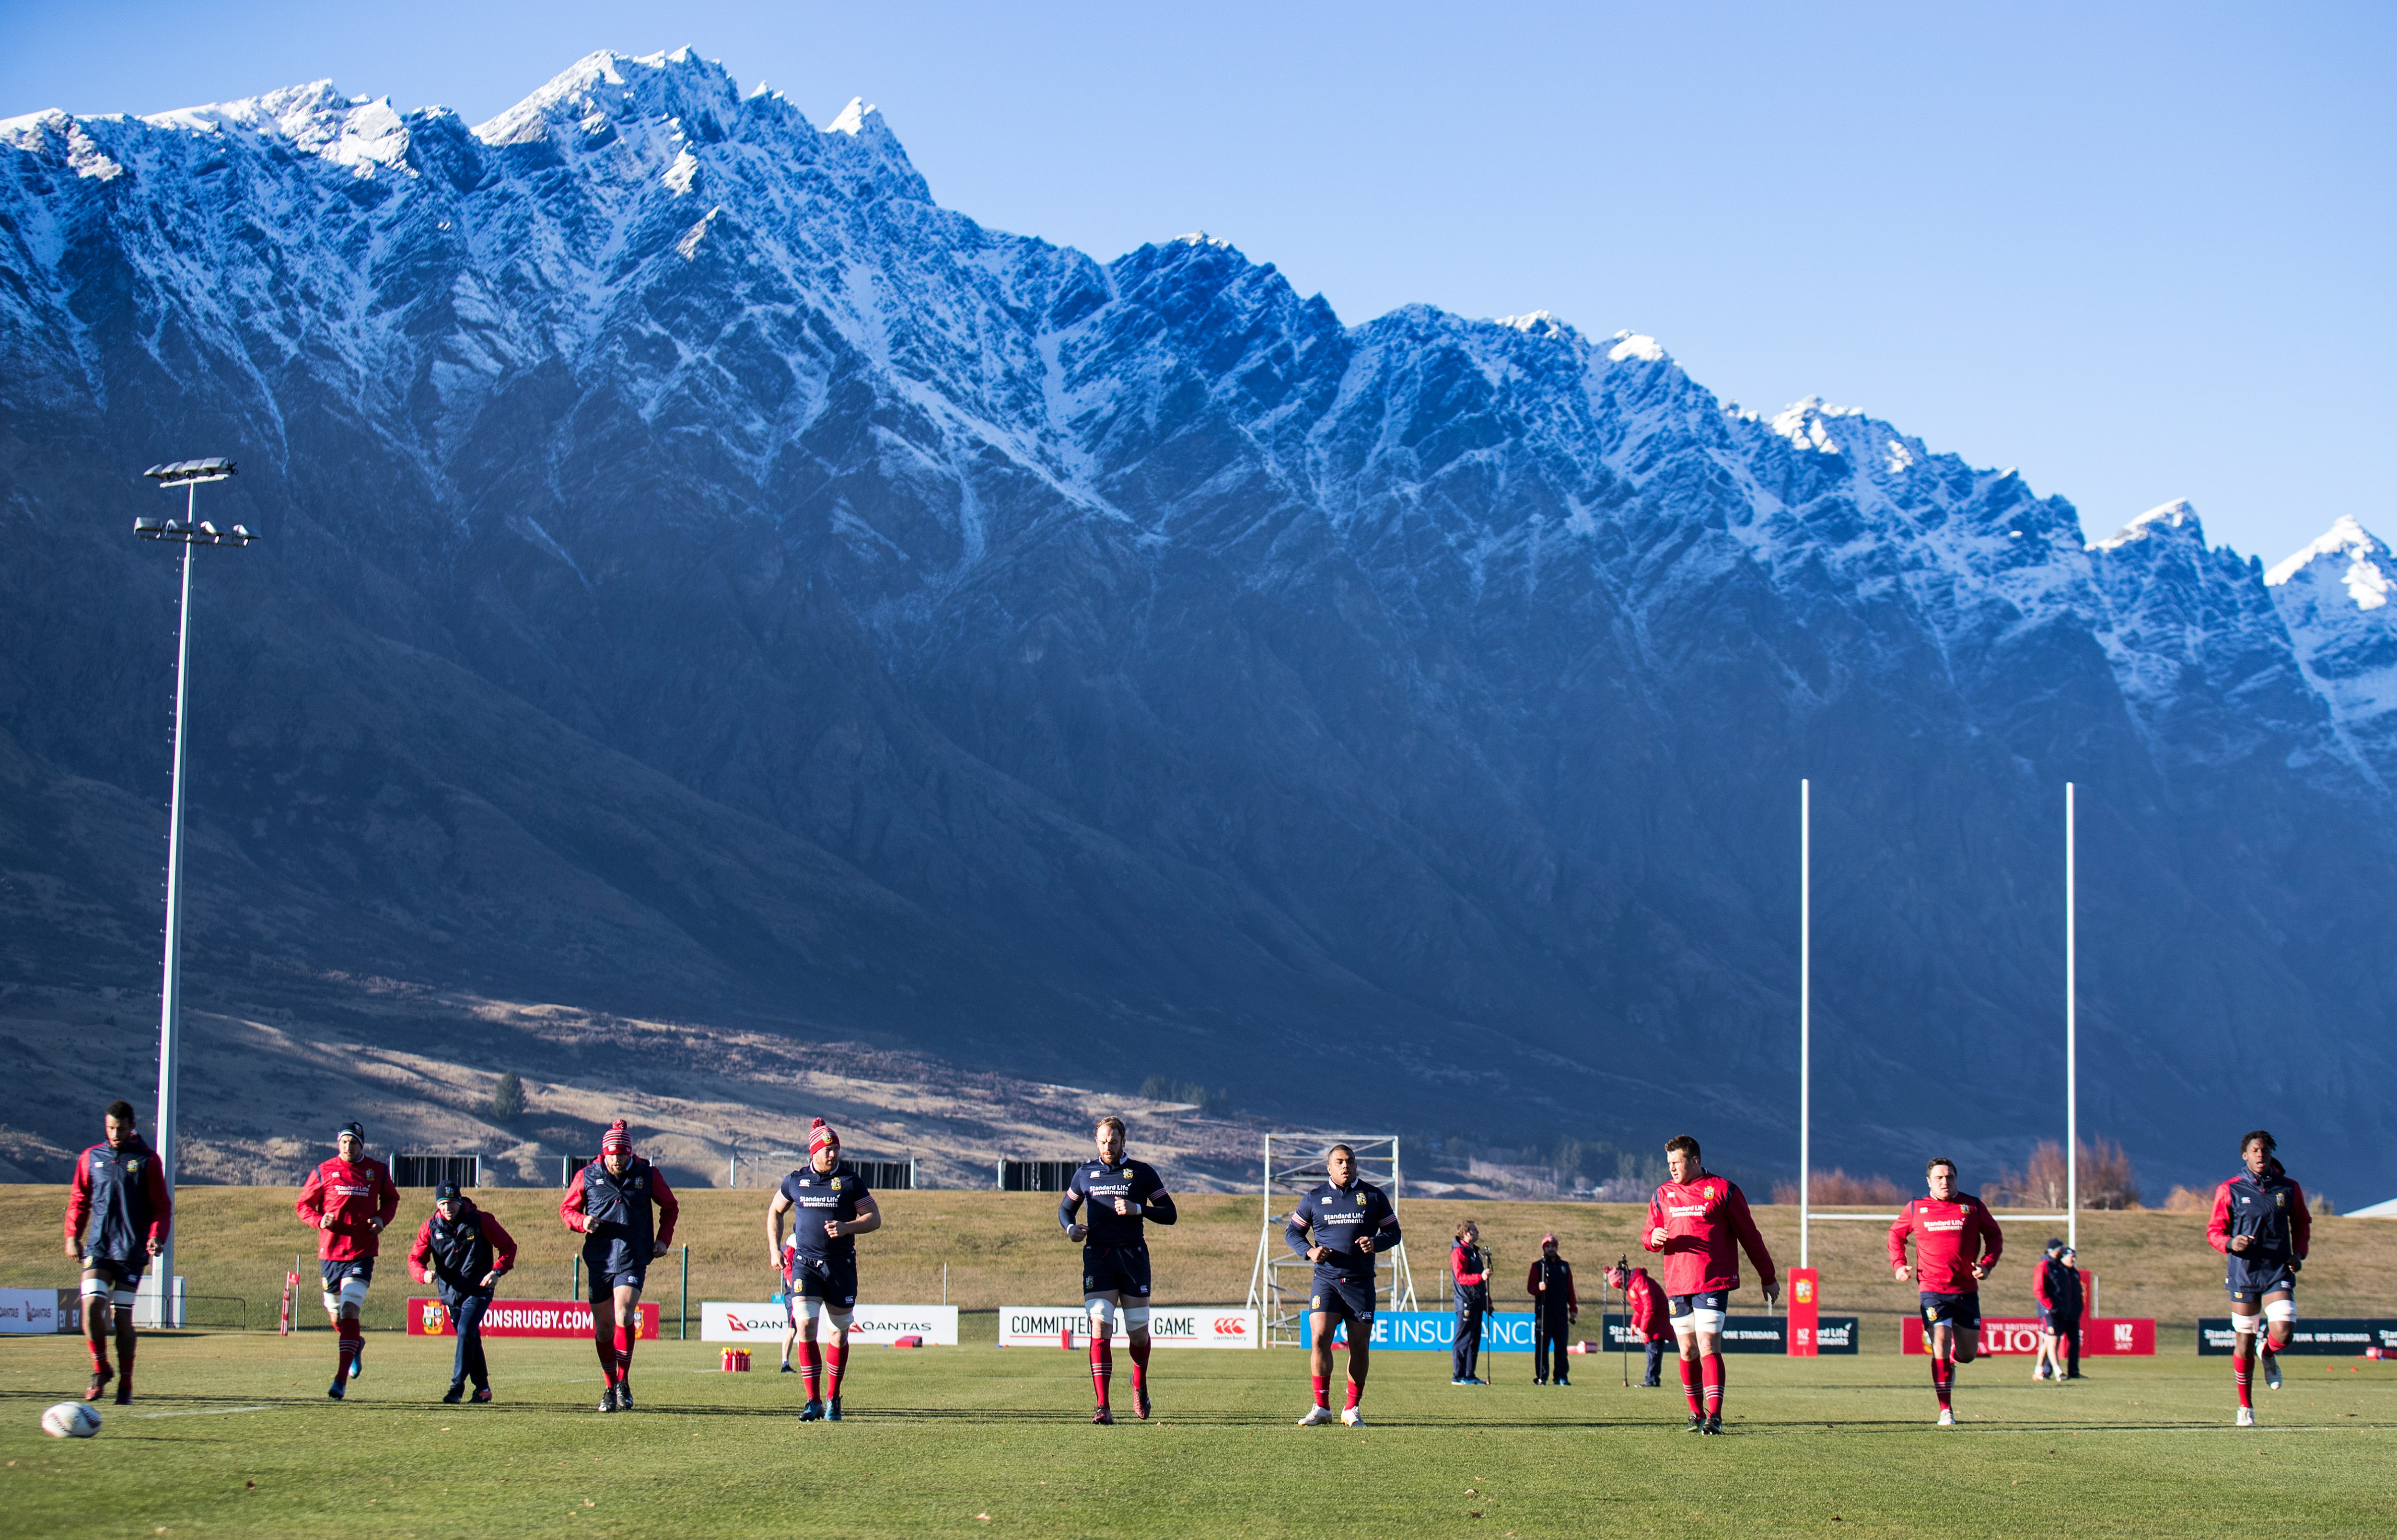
x=1707, y=1321
x=2244, y=1325
x=1101, y=1308
x=122, y=1298
x=97, y=1288
x=1135, y=1318
x=2281, y=1311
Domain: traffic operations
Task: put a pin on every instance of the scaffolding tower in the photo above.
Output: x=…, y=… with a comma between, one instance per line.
x=1278, y=1284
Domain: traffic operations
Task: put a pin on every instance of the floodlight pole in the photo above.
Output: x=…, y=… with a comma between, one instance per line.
x=2071, y=1041
x=187, y=474
x=1805, y=1015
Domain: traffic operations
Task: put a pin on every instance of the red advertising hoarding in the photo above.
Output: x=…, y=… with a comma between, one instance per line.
x=2130, y=1337
x=1803, y=1302
x=522, y=1318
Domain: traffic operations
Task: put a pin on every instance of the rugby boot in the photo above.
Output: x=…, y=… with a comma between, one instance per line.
x=1103, y=1417
x=607, y=1399
x=1698, y=1423
x=1353, y=1417
x=787, y=1369
x=339, y=1390
x=358, y=1358
x=1316, y=1416
x=124, y=1389
x=813, y=1412
x=1140, y=1406
x=457, y=1393
x=625, y=1396
x=832, y=1410
x=2271, y=1370
x=99, y=1378
x=1714, y=1423
x=1947, y=1418
x=2246, y=1418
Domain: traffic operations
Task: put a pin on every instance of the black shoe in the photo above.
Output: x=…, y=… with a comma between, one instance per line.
x=607, y=1399
x=124, y=1391
x=1140, y=1407
x=339, y=1390
x=99, y=1378
x=1537, y=1381
x=812, y=1411
x=832, y=1410
x=1562, y=1380
x=1698, y=1423
x=456, y=1394
x=788, y=1370
x=1714, y=1423
x=482, y=1395
x=625, y=1396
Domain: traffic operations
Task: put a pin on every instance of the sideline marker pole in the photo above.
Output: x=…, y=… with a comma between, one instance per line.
x=1805, y=1015
x=2072, y=1039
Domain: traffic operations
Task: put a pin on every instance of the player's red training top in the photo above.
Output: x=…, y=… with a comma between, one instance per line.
x=153, y=1192
x=1948, y=1238
x=352, y=1193
x=1705, y=1221
x=1651, y=1315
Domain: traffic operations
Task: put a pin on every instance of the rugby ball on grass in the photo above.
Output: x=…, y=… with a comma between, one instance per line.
x=71, y=1420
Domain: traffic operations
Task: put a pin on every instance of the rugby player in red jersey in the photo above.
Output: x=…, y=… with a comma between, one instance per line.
x=349, y=1199
x=1124, y=1196
x=1956, y=1243
x=2262, y=1229
x=1700, y=1223
x=119, y=1195
x=830, y=1207
x=625, y=1212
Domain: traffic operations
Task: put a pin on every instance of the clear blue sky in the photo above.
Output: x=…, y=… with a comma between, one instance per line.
x=2139, y=251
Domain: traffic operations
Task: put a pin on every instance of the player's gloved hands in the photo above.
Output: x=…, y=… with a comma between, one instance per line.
x=2297, y=1264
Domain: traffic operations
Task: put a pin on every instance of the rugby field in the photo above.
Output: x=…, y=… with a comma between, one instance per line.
x=233, y=1436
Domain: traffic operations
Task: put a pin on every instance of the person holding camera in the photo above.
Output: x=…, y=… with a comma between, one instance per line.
x=1470, y=1267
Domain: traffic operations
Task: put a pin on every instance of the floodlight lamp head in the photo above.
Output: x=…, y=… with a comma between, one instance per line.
x=185, y=473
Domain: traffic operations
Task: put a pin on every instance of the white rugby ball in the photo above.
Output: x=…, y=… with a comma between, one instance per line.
x=71, y=1420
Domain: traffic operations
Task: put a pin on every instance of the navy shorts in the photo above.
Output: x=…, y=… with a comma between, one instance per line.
x=831, y=1279
x=612, y=1266
x=339, y=1273
x=2247, y=1283
x=120, y=1273
x=1679, y=1306
x=1338, y=1294
x=1119, y=1269
x=1962, y=1312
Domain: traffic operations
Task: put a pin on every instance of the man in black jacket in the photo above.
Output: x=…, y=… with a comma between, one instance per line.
x=1555, y=1307
x=461, y=1251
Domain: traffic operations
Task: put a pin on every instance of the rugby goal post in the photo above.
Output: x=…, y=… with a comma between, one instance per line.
x=1278, y=1283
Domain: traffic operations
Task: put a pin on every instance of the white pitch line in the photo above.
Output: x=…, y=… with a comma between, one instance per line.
x=208, y=1412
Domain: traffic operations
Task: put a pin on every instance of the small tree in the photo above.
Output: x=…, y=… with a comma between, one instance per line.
x=2107, y=1179
x=507, y=1098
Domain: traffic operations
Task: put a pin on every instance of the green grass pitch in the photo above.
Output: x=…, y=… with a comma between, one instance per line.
x=233, y=1436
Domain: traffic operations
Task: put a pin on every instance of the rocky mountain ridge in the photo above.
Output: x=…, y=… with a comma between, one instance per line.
x=710, y=580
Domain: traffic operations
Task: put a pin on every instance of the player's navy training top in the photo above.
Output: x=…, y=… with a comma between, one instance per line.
x=1336, y=1217
x=623, y=1219
x=2057, y=1289
x=1135, y=1182
x=359, y=1198
x=456, y=1254
x=1950, y=1237
x=1707, y=1225
x=2270, y=1210
x=816, y=1197
x=123, y=1195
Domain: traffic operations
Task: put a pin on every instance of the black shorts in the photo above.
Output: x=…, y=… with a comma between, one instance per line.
x=1119, y=1269
x=1339, y=1294
x=117, y=1271
x=338, y=1273
x=612, y=1264
x=2247, y=1283
x=830, y=1279
x=1962, y=1312
x=1679, y=1306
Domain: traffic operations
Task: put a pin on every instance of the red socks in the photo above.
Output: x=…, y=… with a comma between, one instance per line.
x=1138, y=1347
x=1323, y=1392
x=2242, y=1368
x=1103, y=1368
x=811, y=1370
x=99, y=1346
x=836, y=1359
x=605, y=1342
x=1942, y=1378
x=351, y=1340
x=1355, y=1392
x=1690, y=1386
x=625, y=1337
x=1711, y=1373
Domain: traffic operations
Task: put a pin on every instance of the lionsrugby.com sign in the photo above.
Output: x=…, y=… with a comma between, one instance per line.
x=521, y=1318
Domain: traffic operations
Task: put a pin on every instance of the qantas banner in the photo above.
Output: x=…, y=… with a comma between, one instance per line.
x=1169, y=1326
x=754, y=1324
x=2327, y=1337
x=2126, y=1337
x=42, y=1310
x=522, y=1318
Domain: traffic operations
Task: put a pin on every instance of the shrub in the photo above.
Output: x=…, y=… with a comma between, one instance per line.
x=1836, y=1188
x=507, y=1098
x=2107, y=1179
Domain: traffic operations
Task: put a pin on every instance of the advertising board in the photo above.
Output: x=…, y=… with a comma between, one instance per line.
x=2123, y=1336
x=2328, y=1338
x=38, y=1310
x=765, y=1322
x=522, y=1318
x=1753, y=1335
x=1168, y=1325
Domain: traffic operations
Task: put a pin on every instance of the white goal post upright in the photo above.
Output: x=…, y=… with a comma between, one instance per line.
x=1294, y=1163
x=2071, y=1041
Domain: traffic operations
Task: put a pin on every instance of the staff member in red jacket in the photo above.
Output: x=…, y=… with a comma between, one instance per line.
x=349, y=1199
x=626, y=1213
x=461, y=1251
x=1956, y=1243
x=1652, y=1320
x=120, y=1195
x=1470, y=1267
x=1700, y=1222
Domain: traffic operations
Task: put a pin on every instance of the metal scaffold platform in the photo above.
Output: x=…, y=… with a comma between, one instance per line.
x=1278, y=1284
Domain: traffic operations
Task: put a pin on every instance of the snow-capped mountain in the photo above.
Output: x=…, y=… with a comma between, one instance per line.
x=707, y=575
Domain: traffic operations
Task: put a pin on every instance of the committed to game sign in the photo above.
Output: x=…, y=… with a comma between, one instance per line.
x=522, y=1318
x=937, y=1324
x=1176, y=1326
x=2127, y=1337
x=2327, y=1337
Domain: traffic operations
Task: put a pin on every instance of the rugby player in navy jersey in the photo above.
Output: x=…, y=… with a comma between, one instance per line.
x=118, y=1210
x=1956, y=1243
x=1123, y=1195
x=626, y=1213
x=831, y=1207
x=1340, y=1225
x=2261, y=1227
